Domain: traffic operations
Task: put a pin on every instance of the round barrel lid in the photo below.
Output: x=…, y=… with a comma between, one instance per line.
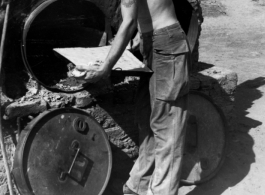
x=64, y=151
x=205, y=140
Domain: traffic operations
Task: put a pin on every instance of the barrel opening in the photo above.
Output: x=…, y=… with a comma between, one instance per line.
x=59, y=24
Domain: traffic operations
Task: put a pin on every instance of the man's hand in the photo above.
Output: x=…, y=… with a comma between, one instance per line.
x=94, y=71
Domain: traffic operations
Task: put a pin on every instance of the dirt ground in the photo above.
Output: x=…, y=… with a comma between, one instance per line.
x=237, y=41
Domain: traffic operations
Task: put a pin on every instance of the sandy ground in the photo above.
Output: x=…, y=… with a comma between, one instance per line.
x=237, y=41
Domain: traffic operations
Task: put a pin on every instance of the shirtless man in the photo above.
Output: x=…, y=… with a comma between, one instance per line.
x=161, y=106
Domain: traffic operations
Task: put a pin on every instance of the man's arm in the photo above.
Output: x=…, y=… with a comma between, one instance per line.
x=129, y=14
x=125, y=32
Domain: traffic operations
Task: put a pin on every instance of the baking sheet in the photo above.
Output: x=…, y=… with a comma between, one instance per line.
x=81, y=56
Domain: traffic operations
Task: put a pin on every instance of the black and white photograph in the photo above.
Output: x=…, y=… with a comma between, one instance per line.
x=132, y=97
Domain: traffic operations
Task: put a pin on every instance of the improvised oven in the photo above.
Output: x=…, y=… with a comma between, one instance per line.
x=62, y=151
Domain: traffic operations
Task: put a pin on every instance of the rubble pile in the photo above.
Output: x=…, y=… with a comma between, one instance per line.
x=111, y=105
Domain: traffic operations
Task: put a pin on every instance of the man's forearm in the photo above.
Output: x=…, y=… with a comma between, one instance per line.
x=121, y=40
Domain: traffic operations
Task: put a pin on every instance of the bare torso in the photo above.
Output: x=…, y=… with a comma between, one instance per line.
x=155, y=14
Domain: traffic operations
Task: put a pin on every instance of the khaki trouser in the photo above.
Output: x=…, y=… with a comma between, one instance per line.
x=161, y=112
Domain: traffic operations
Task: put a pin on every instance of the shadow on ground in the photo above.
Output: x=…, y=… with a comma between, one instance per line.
x=240, y=154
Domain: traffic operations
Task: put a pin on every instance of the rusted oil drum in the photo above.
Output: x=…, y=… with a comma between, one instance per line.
x=206, y=140
x=61, y=24
x=63, y=151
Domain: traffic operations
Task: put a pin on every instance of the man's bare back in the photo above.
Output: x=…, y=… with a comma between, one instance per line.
x=155, y=14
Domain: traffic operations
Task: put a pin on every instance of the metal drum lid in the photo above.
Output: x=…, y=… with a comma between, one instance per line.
x=64, y=151
x=205, y=140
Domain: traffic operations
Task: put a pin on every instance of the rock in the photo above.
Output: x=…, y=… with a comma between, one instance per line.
x=83, y=99
x=213, y=8
x=19, y=109
x=56, y=104
x=219, y=84
x=5, y=100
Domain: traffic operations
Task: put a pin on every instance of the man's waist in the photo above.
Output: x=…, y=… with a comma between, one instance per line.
x=161, y=31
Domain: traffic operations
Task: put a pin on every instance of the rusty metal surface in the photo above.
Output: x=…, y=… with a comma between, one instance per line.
x=63, y=151
x=54, y=24
x=205, y=140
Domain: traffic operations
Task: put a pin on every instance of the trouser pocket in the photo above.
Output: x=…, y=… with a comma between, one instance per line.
x=171, y=71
